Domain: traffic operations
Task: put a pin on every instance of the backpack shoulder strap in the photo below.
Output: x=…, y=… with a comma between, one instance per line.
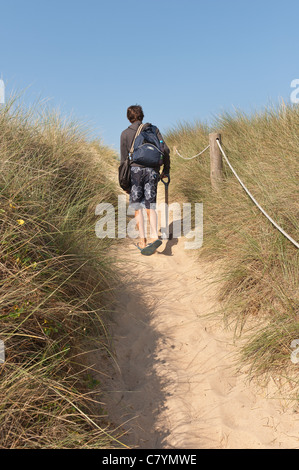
x=136, y=135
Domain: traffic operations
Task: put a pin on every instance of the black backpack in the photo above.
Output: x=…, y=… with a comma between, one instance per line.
x=124, y=169
x=146, y=149
x=124, y=175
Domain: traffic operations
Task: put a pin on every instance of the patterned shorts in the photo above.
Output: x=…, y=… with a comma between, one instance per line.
x=144, y=182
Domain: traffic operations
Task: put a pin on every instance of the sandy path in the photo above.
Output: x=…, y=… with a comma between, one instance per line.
x=176, y=384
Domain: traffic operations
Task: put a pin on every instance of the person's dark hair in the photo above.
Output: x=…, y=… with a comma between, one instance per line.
x=135, y=113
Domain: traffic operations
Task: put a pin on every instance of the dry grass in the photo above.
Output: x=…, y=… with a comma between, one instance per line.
x=55, y=282
x=260, y=268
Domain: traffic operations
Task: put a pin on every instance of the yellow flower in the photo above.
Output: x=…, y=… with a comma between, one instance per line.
x=21, y=221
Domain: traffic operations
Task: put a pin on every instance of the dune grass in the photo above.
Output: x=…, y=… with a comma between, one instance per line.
x=259, y=266
x=55, y=281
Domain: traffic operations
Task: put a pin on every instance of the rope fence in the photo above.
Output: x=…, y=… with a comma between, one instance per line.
x=216, y=162
x=254, y=200
x=191, y=158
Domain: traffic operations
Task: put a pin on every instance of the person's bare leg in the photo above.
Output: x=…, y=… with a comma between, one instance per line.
x=140, y=226
x=152, y=216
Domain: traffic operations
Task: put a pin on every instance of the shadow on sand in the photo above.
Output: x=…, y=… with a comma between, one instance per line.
x=134, y=394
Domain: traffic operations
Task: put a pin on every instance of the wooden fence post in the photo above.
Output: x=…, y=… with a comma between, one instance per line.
x=216, y=172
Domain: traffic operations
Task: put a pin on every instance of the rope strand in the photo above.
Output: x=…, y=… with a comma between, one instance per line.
x=190, y=158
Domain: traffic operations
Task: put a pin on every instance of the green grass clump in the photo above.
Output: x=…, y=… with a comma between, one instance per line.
x=55, y=281
x=260, y=268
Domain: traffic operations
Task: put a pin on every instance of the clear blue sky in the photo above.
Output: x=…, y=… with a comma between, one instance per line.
x=181, y=60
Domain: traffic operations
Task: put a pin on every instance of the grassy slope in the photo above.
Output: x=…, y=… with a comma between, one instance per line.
x=55, y=282
x=260, y=266
x=56, y=278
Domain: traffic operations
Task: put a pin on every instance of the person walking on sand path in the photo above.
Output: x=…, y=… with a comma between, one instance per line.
x=144, y=176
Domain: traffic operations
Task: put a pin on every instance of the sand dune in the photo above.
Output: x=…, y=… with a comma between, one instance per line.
x=177, y=383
